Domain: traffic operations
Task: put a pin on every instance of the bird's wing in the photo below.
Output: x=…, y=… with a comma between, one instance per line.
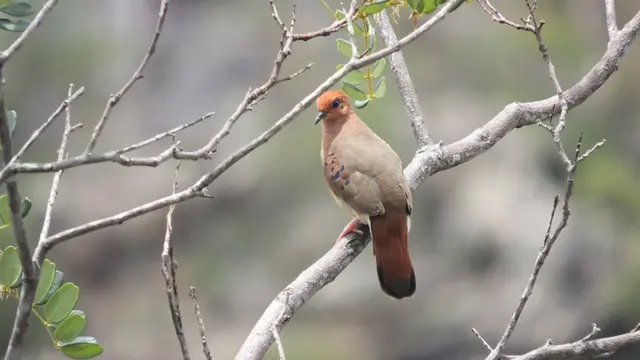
x=351, y=187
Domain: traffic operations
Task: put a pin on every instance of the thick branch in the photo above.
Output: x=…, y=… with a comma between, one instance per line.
x=405, y=84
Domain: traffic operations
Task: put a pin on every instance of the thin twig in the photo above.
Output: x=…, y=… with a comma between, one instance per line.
x=594, y=331
x=166, y=134
x=595, y=147
x=169, y=269
x=114, y=156
x=254, y=96
x=276, y=336
x=35, y=23
x=612, y=23
x=500, y=19
x=36, y=134
x=56, y=178
x=405, y=84
x=484, y=342
x=203, y=336
x=137, y=75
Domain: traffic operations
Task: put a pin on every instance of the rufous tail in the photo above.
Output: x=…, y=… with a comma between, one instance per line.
x=391, y=249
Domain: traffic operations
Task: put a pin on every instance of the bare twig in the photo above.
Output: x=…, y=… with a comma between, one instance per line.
x=612, y=23
x=169, y=268
x=36, y=134
x=594, y=331
x=484, y=342
x=137, y=75
x=35, y=23
x=56, y=178
x=254, y=96
x=166, y=134
x=405, y=84
x=276, y=336
x=570, y=168
x=595, y=147
x=203, y=336
x=500, y=19
x=114, y=156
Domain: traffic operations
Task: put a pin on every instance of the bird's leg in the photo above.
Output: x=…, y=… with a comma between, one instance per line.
x=351, y=227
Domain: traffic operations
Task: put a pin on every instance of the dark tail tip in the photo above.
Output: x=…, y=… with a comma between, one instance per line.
x=397, y=287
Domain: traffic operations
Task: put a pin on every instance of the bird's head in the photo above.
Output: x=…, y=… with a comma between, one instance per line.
x=333, y=105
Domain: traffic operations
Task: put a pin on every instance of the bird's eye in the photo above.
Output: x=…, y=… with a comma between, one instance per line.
x=336, y=103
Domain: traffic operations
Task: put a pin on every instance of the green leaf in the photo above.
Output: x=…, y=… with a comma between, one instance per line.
x=71, y=327
x=25, y=207
x=381, y=88
x=374, y=7
x=61, y=303
x=82, y=347
x=344, y=47
x=5, y=212
x=353, y=92
x=18, y=9
x=413, y=4
x=11, y=121
x=423, y=6
x=47, y=273
x=4, y=3
x=378, y=68
x=10, y=267
x=355, y=77
x=359, y=104
x=13, y=25
x=58, y=278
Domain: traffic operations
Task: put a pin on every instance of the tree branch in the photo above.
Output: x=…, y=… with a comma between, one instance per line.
x=35, y=23
x=29, y=270
x=612, y=23
x=137, y=75
x=36, y=134
x=203, y=337
x=404, y=83
x=169, y=268
x=428, y=161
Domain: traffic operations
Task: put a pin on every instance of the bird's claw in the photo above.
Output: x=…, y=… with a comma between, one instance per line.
x=352, y=226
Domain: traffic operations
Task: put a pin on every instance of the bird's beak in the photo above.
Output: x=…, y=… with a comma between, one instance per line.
x=320, y=116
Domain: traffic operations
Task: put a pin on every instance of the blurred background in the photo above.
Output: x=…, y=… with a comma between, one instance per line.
x=476, y=228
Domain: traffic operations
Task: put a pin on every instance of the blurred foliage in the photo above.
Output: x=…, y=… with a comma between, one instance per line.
x=17, y=9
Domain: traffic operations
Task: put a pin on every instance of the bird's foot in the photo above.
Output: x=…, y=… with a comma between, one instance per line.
x=351, y=227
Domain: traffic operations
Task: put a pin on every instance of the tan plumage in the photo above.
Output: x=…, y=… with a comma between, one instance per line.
x=365, y=175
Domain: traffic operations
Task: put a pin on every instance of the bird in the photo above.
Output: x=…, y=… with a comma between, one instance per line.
x=365, y=175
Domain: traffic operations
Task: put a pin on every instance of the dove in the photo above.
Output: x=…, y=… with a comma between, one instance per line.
x=364, y=175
